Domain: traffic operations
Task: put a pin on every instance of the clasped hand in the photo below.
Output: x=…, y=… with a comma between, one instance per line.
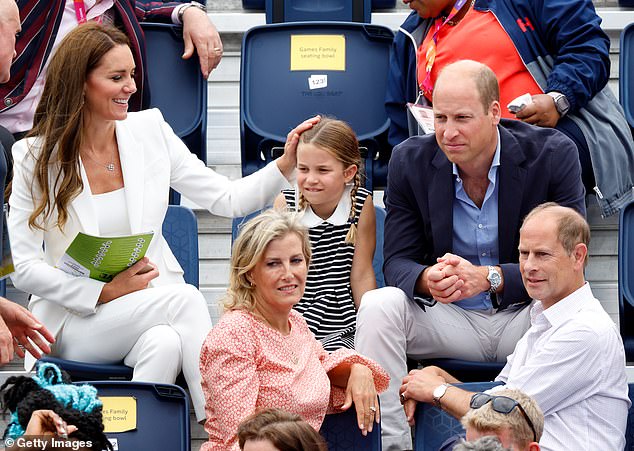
x=453, y=278
x=418, y=386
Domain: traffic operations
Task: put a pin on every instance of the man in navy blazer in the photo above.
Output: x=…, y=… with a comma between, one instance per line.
x=45, y=22
x=455, y=202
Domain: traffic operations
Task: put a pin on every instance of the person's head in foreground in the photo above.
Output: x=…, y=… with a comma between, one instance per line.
x=510, y=415
x=487, y=443
x=553, y=252
x=466, y=114
x=89, y=81
x=9, y=27
x=49, y=405
x=269, y=264
x=278, y=430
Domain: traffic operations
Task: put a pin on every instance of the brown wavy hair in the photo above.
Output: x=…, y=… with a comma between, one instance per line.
x=59, y=118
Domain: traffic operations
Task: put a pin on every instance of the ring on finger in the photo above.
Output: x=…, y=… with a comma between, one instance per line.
x=373, y=409
x=403, y=398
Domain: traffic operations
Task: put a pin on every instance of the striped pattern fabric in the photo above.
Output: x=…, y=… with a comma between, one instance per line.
x=327, y=305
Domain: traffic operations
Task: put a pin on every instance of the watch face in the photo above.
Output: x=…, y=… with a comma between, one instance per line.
x=439, y=391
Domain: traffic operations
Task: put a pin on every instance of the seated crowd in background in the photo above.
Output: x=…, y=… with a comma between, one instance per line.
x=261, y=354
x=553, y=50
x=446, y=241
x=339, y=215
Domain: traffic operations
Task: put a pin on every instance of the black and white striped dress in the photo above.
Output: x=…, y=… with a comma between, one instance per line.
x=327, y=305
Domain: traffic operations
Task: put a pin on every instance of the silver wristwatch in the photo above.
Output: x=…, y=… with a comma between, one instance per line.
x=494, y=278
x=183, y=8
x=561, y=102
x=438, y=393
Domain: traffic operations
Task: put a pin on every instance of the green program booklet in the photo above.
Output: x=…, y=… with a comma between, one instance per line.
x=102, y=258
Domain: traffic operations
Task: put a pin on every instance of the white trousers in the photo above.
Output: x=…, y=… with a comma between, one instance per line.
x=158, y=331
x=391, y=328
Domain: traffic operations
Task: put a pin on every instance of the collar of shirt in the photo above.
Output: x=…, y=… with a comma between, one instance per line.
x=338, y=217
x=493, y=170
x=562, y=310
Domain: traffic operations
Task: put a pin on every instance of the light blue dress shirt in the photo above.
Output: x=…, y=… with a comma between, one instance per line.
x=475, y=230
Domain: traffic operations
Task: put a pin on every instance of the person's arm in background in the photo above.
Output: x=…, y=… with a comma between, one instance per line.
x=198, y=31
x=571, y=32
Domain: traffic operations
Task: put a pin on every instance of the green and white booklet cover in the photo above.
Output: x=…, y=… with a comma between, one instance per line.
x=102, y=258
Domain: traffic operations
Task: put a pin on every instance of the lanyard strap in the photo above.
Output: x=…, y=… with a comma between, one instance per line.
x=80, y=12
x=430, y=54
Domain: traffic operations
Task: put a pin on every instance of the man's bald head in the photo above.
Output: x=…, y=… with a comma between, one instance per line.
x=9, y=27
x=483, y=77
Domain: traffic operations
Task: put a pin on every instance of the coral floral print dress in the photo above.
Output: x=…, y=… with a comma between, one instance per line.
x=246, y=367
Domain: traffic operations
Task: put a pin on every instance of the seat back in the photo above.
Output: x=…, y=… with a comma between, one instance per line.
x=626, y=278
x=176, y=86
x=626, y=71
x=629, y=431
x=293, y=71
x=377, y=262
x=342, y=433
x=467, y=370
x=434, y=425
x=162, y=415
x=180, y=229
x=278, y=11
x=260, y=5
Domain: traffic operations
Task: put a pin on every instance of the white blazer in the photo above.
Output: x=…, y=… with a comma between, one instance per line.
x=153, y=159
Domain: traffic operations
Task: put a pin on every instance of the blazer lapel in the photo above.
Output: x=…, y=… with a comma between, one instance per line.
x=441, y=194
x=132, y=165
x=84, y=207
x=510, y=193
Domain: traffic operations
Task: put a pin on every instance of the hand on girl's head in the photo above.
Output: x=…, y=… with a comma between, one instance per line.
x=47, y=422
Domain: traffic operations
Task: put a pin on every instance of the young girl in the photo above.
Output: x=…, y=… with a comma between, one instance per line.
x=340, y=216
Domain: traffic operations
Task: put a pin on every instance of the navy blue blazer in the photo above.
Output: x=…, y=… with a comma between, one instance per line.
x=536, y=165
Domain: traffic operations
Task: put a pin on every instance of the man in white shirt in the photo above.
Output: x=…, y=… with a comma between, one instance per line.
x=571, y=360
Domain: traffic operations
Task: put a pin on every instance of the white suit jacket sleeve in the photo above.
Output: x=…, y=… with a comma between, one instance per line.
x=32, y=273
x=215, y=192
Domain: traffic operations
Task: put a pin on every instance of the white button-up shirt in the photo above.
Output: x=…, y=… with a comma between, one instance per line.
x=572, y=362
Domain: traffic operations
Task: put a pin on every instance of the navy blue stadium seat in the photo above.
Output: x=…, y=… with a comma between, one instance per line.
x=467, y=370
x=377, y=262
x=629, y=432
x=626, y=69
x=274, y=98
x=434, y=426
x=626, y=279
x=180, y=229
x=176, y=87
x=279, y=11
x=342, y=433
x=260, y=5
x=162, y=416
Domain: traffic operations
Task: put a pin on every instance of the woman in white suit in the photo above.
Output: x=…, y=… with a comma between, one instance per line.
x=89, y=166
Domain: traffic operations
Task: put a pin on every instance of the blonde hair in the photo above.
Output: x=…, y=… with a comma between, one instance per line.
x=338, y=139
x=486, y=419
x=59, y=118
x=249, y=248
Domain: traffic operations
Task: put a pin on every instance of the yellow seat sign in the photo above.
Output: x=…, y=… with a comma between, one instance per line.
x=119, y=413
x=318, y=52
